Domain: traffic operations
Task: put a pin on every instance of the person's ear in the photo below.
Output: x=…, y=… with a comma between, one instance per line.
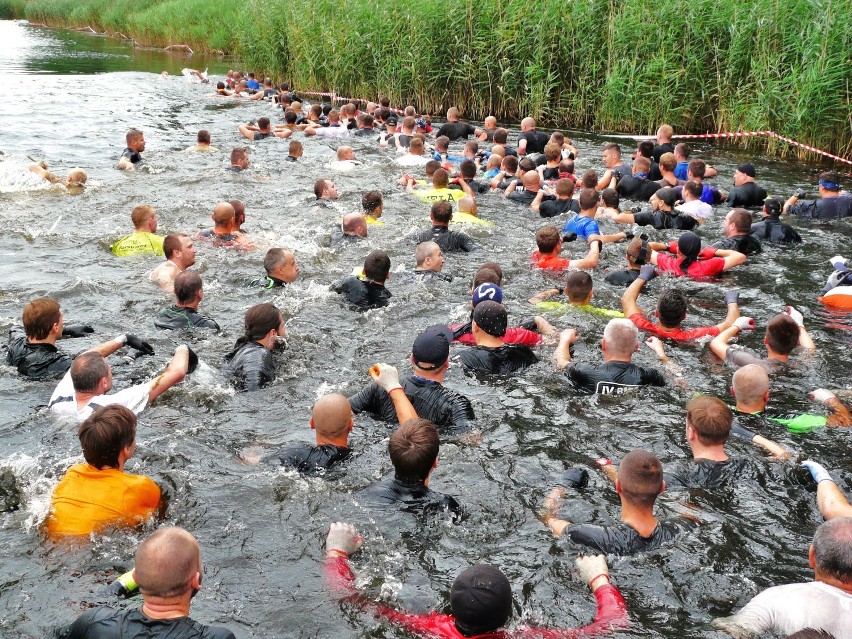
x=195, y=582
x=311, y=423
x=618, y=486
x=812, y=557
x=733, y=392
x=662, y=488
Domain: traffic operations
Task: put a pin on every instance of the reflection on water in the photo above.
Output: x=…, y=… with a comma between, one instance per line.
x=260, y=529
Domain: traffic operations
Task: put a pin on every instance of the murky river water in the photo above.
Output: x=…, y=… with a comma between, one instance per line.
x=69, y=101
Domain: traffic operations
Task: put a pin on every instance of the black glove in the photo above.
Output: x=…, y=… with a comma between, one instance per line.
x=738, y=430
x=732, y=296
x=77, y=330
x=140, y=345
x=643, y=237
x=193, y=361
x=628, y=235
x=529, y=324
x=647, y=272
x=575, y=478
x=800, y=193
x=635, y=209
x=569, y=237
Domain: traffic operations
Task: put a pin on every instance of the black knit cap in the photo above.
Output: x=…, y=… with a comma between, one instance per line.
x=689, y=244
x=481, y=600
x=491, y=317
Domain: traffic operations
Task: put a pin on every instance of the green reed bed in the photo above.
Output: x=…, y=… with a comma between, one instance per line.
x=722, y=65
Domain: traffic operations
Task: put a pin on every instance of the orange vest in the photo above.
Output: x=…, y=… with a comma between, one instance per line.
x=87, y=499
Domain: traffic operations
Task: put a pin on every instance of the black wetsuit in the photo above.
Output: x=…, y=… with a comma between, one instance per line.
x=827, y=208
x=132, y=623
x=536, y=140
x=449, y=241
x=613, y=378
x=633, y=188
x=175, y=318
x=621, y=172
x=425, y=275
x=621, y=539
x=35, y=361
x=133, y=156
x=552, y=208
x=362, y=295
x=550, y=173
x=411, y=496
x=622, y=278
x=524, y=197
x=309, y=459
x=449, y=411
x=745, y=243
x=456, y=130
x=267, y=282
x=258, y=135
x=502, y=360
x=737, y=357
x=251, y=365
x=659, y=149
x=746, y=196
x=773, y=230
x=704, y=473
x=665, y=220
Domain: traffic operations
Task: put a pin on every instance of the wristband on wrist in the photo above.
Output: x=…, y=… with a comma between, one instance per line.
x=561, y=291
x=395, y=388
x=594, y=579
x=603, y=462
x=121, y=338
x=334, y=552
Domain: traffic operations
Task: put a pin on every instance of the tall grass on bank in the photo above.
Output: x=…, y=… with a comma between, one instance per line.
x=625, y=65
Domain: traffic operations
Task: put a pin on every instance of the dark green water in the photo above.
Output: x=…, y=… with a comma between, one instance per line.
x=261, y=529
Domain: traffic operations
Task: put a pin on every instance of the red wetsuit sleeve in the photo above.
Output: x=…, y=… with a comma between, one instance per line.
x=611, y=614
x=518, y=335
x=339, y=576
x=672, y=247
x=707, y=252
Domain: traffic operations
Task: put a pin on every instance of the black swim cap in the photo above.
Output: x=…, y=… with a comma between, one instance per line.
x=689, y=244
x=481, y=600
x=491, y=317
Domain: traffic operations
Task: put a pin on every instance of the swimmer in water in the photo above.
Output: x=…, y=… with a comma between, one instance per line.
x=224, y=234
x=367, y=291
x=547, y=256
x=449, y=241
x=251, y=363
x=373, y=204
x=133, y=153
x=75, y=181
x=430, y=262
x=180, y=255
x=183, y=314
x=492, y=355
x=325, y=190
x=143, y=240
x=202, y=144
x=239, y=159
x=281, y=269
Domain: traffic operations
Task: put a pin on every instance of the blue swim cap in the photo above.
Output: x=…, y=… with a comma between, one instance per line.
x=487, y=291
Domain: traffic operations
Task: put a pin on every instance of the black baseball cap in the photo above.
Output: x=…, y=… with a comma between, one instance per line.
x=491, y=317
x=432, y=346
x=481, y=600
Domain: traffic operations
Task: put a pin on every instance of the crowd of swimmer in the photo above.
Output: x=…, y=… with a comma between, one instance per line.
x=538, y=173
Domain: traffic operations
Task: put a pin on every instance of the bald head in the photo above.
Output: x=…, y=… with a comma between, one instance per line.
x=527, y=124
x=531, y=180
x=354, y=224
x=467, y=204
x=345, y=153
x=223, y=214
x=167, y=562
x=750, y=384
x=331, y=416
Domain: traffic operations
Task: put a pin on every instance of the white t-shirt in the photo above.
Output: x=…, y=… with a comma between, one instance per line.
x=332, y=132
x=793, y=607
x=697, y=209
x=64, y=402
x=412, y=160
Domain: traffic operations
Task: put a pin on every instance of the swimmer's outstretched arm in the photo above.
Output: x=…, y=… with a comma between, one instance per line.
x=547, y=514
x=773, y=448
x=592, y=258
x=805, y=340
x=832, y=503
x=628, y=301
x=562, y=354
x=840, y=415
x=386, y=377
x=174, y=373
x=720, y=344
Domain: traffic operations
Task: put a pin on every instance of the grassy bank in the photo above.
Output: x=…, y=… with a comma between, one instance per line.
x=784, y=65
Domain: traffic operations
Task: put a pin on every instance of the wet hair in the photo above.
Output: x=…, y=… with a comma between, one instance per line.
x=187, y=286
x=368, y=120
x=413, y=449
x=276, y=257
x=319, y=187
x=377, y=266
x=87, y=370
x=782, y=334
x=494, y=266
x=501, y=135
x=141, y=214
x=416, y=144
x=694, y=188
x=442, y=142
x=697, y=168
x=371, y=200
x=833, y=549
x=442, y=212
x=263, y=123
x=646, y=148
x=552, y=152
x=567, y=166
x=641, y=477
x=610, y=198
x=671, y=307
x=710, y=418
x=668, y=161
x=259, y=320
x=107, y=432
x=132, y=134
x=440, y=179
x=424, y=251
x=290, y=116
x=238, y=153
x=203, y=137
x=589, y=179
x=621, y=337
x=172, y=244
x=471, y=146
x=220, y=85
x=741, y=220
x=564, y=187
x=39, y=317
x=526, y=164
x=485, y=276
x=578, y=285
x=615, y=148
x=683, y=149
x=635, y=252
x=589, y=199
x=557, y=138
x=642, y=164
x=467, y=169
x=408, y=122
x=430, y=167
x=295, y=147
x=547, y=238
